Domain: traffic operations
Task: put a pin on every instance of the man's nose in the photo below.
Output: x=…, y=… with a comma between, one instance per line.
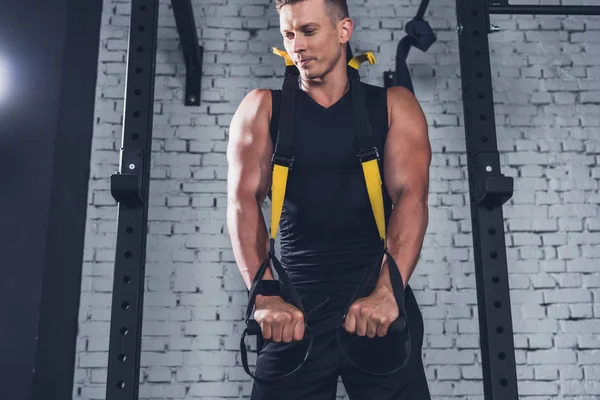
x=299, y=44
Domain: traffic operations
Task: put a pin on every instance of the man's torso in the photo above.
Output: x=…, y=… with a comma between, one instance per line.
x=328, y=232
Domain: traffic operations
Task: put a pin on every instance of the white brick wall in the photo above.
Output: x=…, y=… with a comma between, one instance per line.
x=547, y=91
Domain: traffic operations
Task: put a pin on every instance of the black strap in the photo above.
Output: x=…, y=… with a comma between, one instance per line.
x=252, y=326
x=283, y=152
x=398, y=327
x=282, y=275
x=365, y=141
x=402, y=75
x=422, y=9
x=397, y=286
x=363, y=134
x=366, y=144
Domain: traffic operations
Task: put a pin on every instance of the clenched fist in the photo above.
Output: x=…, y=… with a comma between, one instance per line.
x=279, y=321
x=372, y=315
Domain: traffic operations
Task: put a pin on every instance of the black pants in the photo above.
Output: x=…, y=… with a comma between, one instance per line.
x=317, y=378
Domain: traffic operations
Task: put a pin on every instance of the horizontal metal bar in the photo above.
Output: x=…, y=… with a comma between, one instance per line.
x=544, y=10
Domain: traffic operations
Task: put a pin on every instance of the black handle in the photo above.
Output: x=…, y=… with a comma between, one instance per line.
x=399, y=324
x=398, y=327
x=254, y=289
x=244, y=353
x=253, y=327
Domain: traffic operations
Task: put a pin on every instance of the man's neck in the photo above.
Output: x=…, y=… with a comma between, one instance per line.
x=325, y=93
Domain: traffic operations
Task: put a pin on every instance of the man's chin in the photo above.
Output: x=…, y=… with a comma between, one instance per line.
x=312, y=74
x=307, y=75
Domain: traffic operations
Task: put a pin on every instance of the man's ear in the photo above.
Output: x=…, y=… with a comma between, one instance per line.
x=345, y=29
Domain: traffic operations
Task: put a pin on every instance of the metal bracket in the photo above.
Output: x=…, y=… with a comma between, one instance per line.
x=494, y=188
x=126, y=187
x=193, y=53
x=389, y=78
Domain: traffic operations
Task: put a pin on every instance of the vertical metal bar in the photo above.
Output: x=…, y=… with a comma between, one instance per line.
x=130, y=187
x=493, y=297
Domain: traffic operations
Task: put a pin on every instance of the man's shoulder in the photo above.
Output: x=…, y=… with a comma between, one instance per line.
x=405, y=110
x=255, y=104
x=400, y=92
x=258, y=94
x=393, y=91
x=252, y=115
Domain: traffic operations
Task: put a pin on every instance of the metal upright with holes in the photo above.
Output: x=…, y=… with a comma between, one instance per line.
x=130, y=187
x=489, y=189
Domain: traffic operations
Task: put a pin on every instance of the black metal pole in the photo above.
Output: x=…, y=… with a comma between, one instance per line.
x=488, y=190
x=130, y=187
x=192, y=51
x=544, y=10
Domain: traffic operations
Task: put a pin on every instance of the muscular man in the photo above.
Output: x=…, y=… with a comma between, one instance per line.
x=328, y=232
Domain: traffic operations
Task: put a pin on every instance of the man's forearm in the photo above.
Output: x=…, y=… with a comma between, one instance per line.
x=405, y=233
x=249, y=238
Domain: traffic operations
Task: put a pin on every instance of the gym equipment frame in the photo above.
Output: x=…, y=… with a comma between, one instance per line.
x=130, y=187
x=489, y=189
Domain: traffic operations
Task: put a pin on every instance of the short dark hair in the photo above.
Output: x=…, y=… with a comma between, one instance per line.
x=336, y=9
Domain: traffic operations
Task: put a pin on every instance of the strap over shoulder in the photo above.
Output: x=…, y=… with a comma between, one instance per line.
x=367, y=152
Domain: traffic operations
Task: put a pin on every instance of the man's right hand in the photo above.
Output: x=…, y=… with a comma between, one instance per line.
x=278, y=320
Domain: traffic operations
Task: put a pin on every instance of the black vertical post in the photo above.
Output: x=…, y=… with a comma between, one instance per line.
x=130, y=187
x=488, y=190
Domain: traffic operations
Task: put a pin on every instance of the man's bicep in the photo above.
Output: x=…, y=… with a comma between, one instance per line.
x=249, y=148
x=407, y=148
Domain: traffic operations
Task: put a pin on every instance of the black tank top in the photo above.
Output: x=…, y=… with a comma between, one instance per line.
x=328, y=231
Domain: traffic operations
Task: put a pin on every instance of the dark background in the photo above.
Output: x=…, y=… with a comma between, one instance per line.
x=50, y=50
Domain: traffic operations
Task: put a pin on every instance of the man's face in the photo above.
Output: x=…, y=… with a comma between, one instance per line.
x=309, y=37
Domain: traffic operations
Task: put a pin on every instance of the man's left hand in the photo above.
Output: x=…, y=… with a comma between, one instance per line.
x=372, y=315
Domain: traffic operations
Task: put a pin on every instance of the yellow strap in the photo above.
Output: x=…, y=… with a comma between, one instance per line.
x=361, y=58
x=279, y=182
x=374, y=187
x=354, y=62
x=285, y=55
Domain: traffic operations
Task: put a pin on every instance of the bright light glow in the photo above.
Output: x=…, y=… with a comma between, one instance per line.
x=3, y=79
